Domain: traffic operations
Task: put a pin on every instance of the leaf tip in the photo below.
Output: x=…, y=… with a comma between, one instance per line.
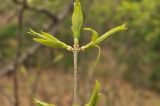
x=86, y=28
x=97, y=83
x=34, y=100
x=30, y=29
x=36, y=39
x=124, y=26
x=77, y=1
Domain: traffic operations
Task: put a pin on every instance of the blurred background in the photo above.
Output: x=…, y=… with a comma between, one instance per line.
x=128, y=70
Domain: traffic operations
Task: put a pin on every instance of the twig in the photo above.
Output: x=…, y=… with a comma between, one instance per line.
x=19, y=34
x=31, y=50
x=43, y=11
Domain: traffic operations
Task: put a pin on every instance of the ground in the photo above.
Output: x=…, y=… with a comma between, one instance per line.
x=56, y=87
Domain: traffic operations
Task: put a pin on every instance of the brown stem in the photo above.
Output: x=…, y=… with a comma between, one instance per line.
x=18, y=52
x=15, y=82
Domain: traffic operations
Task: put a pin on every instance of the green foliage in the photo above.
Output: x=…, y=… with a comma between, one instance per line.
x=95, y=95
x=77, y=19
x=110, y=32
x=95, y=35
x=97, y=59
x=47, y=39
x=96, y=40
x=141, y=44
x=77, y=22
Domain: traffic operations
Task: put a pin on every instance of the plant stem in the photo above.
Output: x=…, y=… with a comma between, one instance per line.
x=75, y=53
x=18, y=52
x=75, y=77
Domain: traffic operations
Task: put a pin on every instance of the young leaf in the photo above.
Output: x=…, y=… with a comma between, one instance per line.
x=94, y=35
x=51, y=43
x=47, y=39
x=97, y=59
x=43, y=35
x=49, y=36
x=40, y=103
x=103, y=37
x=77, y=19
x=110, y=32
x=95, y=95
x=38, y=35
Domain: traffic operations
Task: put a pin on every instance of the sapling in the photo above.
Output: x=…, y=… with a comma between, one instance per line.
x=77, y=23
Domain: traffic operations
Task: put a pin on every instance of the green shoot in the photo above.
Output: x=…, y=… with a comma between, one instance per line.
x=110, y=32
x=77, y=20
x=94, y=35
x=95, y=95
x=77, y=23
x=48, y=40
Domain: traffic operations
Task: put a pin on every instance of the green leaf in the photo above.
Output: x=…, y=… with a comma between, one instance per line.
x=43, y=35
x=77, y=19
x=48, y=36
x=110, y=32
x=88, y=45
x=94, y=35
x=47, y=39
x=97, y=59
x=35, y=34
x=51, y=43
x=40, y=103
x=103, y=37
x=95, y=95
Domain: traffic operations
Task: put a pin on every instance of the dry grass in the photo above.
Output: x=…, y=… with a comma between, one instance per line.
x=56, y=87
